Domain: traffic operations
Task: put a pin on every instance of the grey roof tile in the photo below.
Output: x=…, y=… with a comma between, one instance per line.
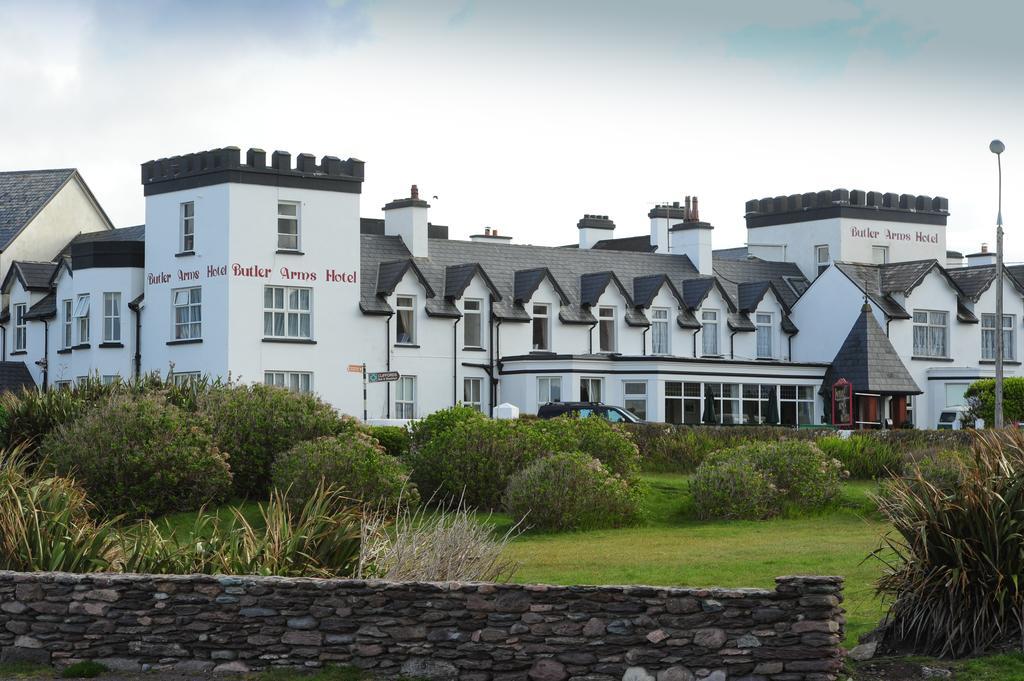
x=634, y=244
x=868, y=361
x=732, y=273
x=46, y=308
x=23, y=194
x=34, y=276
x=14, y=376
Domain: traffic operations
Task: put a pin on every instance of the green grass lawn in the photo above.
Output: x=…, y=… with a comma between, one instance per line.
x=675, y=549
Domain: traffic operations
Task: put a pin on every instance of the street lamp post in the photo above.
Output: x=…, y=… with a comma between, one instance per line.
x=997, y=148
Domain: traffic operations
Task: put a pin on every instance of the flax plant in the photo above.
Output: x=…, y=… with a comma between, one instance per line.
x=957, y=578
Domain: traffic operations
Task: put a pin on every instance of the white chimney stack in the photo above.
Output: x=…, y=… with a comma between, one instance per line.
x=982, y=257
x=407, y=218
x=594, y=228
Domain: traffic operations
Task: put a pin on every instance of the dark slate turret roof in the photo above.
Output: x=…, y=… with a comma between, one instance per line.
x=23, y=194
x=868, y=361
x=14, y=376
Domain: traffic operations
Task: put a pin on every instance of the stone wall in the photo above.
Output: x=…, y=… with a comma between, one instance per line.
x=477, y=632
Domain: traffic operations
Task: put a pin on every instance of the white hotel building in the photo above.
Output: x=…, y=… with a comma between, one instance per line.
x=262, y=269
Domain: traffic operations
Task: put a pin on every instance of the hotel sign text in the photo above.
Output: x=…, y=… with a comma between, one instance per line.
x=252, y=272
x=894, y=235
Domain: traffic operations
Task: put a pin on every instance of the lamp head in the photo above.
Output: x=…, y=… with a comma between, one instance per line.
x=996, y=147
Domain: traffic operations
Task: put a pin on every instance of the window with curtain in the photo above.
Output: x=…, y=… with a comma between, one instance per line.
x=988, y=337
x=930, y=333
x=660, y=331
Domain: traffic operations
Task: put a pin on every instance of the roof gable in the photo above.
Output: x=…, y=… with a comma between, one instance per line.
x=646, y=289
x=23, y=194
x=389, y=274
x=593, y=286
x=33, y=276
x=458, y=278
x=526, y=283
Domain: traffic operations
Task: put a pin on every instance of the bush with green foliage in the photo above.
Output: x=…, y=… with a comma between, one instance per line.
x=955, y=584
x=474, y=459
x=353, y=462
x=981, y=400
x=800, y=476
x=863, y=457
x=608, y=443
x=571, y=491
x=435, y=425
x=395, y=440
x=255, y=423
x=139, y=456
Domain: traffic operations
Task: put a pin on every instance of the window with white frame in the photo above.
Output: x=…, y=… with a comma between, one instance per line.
x=67, y=323
x=472, y=322
x=634, y=398
x=110, y=379
x=879, y=255
x=112, y=317
x=471, y=391
x=287, y=312
x=910, y=409
x=988, y=336
x=405, y=397
x=188, y=313
x=296, y=381
x=930, y=333
x=591, y=389
x=821, y=258
x=20, y=327
x=287, y=226
x=549, y=389
x=541, y=326
x=183, y=378
x=682, y=402
x=796, y=405
x=726, y=397
x=606, y=329
x=709, y=333
x=765, y=332
x=660, y=336
x=187, y=231
x=405, y=320
x=82, y=318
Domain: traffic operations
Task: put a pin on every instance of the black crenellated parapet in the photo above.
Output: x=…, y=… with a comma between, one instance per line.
x=216, y=166
x=846, y=203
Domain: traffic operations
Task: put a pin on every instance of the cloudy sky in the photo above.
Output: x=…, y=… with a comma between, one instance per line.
x=525, y=115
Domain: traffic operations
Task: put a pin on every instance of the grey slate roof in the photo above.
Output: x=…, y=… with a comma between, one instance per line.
x=133, y=233
x=458, y=277
x=14, y=376
x=868, y=361
x=516, y=271
x=46, y=308
x=732, y=273
x=751, y=293
x=646, y=288
x=34, y=276
x=736, y=253
x=868, y=280
x=23, y=194
x=696, y=290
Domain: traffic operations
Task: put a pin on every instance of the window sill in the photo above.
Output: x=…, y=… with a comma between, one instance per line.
x=185, y=341
x=712, y=356
x=112, y=344
x=15, y=353
x=81, y=346
x=64, y=351
x=289, y=251
x=1008, y=362
x=184, y=254
x=406, y=345
x=932, y=359
x=298, y=341
x=473, y=348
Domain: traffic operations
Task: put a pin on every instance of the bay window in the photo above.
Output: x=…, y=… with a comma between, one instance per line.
x=67, y=323
x=82, y=318
x=111, y=317
x=549, y=389
x=634, y=398
x=591, y=389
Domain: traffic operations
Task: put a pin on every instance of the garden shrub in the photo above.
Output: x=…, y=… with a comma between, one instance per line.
x=800, y=476
x=254, y=423
x=394, y=439
x=571, y=491
x=732, y=490
x=138, y=456
x=32, y=414
x=611, y=445
x=354, y=463
x=981, y=400
x=440, y=422
x=954, y=584
x=474, y=459
x=863, y=457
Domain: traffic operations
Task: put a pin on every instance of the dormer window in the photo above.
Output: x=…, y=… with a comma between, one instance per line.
x=709, y=334
x=472, y=322
x=541, y=327
x=765, y=331
x=606, y=329
x=405, y=325
x=660, y=337
x=287, y=226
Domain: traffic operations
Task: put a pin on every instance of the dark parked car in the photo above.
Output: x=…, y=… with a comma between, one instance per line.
x=584, y=409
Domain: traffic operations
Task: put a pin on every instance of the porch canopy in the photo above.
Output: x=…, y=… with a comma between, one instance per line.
x=876, y=375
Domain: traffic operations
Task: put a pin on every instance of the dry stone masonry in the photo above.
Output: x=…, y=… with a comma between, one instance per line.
x=476, y=632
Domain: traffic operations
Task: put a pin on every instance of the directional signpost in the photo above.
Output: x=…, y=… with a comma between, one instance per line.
x=372, y=377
